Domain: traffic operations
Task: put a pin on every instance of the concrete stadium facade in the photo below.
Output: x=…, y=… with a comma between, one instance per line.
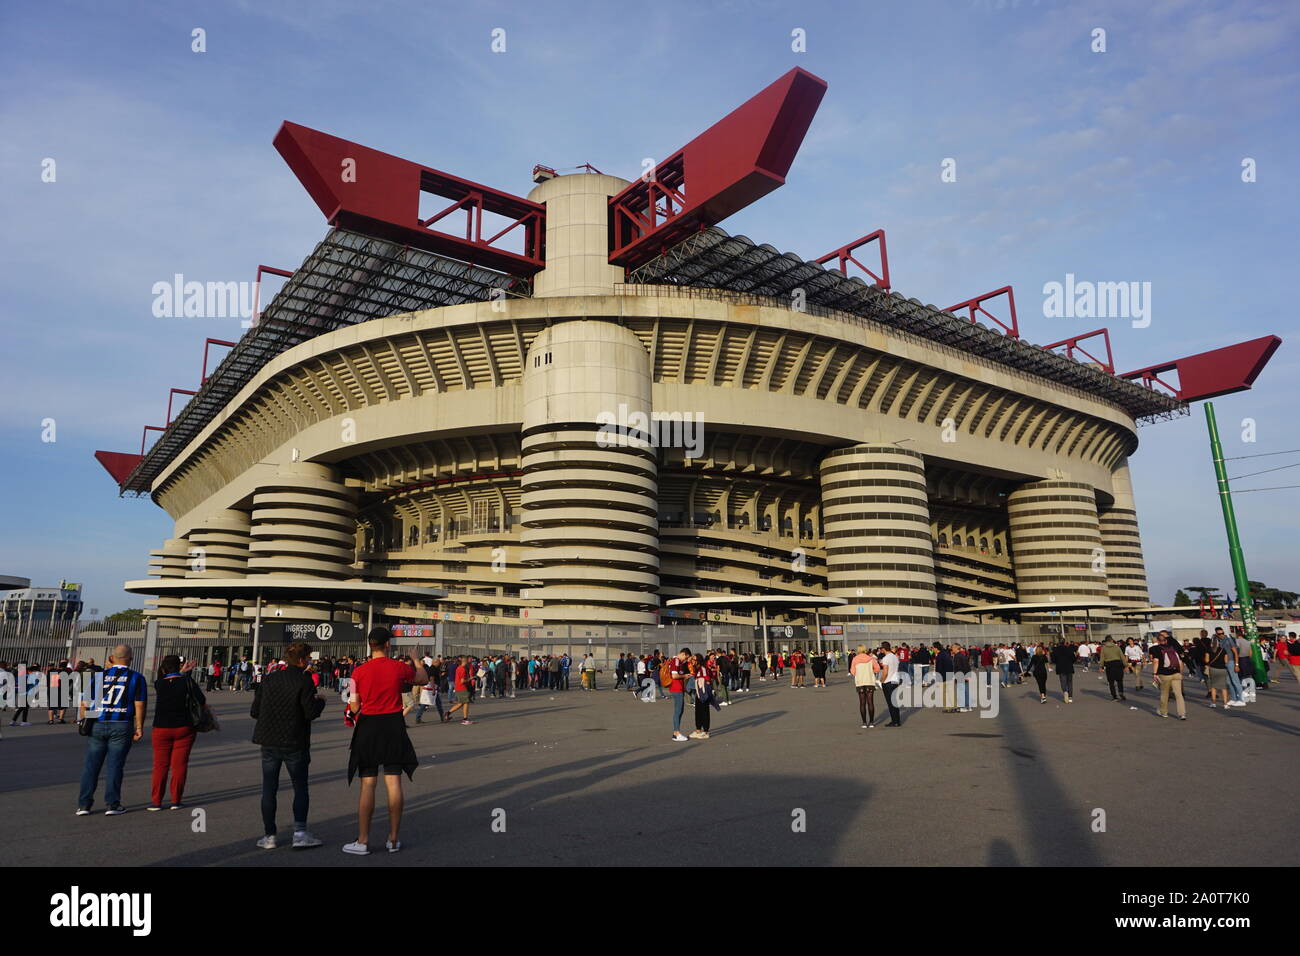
x=465, y=448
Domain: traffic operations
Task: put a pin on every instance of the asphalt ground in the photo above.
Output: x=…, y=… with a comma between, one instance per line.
x=787, y=779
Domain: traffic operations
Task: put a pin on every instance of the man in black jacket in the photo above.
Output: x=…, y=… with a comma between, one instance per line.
x=285, y=703
x=1063, y=656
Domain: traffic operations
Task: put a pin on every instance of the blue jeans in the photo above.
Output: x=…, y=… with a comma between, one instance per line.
x=679, y=705
x=296, y=761
x=1006, y=672
x=111, y=740
x=1234, y=682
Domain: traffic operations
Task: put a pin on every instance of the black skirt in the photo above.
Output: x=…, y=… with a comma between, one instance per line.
x=381, y=739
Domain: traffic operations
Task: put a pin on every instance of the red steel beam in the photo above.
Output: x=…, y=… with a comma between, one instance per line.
x=740, y=158
x=209, y=342
x=119, y=464
x=379, y=194
x=1072, y=345
x=977, y=305
x=1222, y=371
x=145, y=434
x=257, y=287
x=171, y=395
x=844, y=255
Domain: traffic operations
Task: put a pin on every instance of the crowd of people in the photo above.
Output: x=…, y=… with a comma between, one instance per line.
x=379, y=692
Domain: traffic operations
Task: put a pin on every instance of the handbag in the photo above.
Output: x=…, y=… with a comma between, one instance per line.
x=201, y=718
x=86, y=726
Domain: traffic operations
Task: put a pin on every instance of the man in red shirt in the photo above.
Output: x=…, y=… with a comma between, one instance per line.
x=462, y=689
x=379, y=738
x=797, y=668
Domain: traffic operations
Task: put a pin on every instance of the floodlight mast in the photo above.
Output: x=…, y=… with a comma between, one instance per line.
x=1235, y=554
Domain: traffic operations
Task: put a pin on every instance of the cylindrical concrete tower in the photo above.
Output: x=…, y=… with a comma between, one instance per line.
x=218, y=549
x=304, y=525
x=1056, y=542
x=577, y=235
x=1126, y=573
x=589, y=496
x=170, y=562
x=876, y=527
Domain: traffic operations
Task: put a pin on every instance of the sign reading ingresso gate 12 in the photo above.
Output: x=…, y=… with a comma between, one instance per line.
x=309, y=631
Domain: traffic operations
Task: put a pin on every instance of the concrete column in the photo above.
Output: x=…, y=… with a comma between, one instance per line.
x=577, y=235
x=1056, y=543
x=218, y=549
x=1126, y=573
x=876, y=530
x=169, y=563
x=304, y=525
x=590, y=528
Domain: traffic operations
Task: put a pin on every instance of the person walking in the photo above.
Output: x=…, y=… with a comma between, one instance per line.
x=1232, y=666
x=430, y=695
x=174, y=729
x=1112, y=662
x=943, y=669
x=1292, y=647
x=1216, y=672
x=865, y=671
x=1167, y=674
x=1063, y=663
x=1133, y=658
x=379, y=740
x=119, y=714
x=1038, y=667
x=462, y=685
x=285, y=702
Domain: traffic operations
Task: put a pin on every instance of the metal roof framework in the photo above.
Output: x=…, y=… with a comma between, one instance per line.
x=348, y=278
x=712, y=258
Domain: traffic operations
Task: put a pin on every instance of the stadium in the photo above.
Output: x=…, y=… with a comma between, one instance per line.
x=574, y=408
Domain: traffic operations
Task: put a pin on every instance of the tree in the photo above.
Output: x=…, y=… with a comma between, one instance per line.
x=1181, y=599
x=131, y=615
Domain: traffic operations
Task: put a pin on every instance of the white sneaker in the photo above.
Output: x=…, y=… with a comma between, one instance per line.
x=864, y=726
x=696, y=734
x=392, y=846
x=357, y=849
x=267, y=842
x=83, y=812
x=303, y=840
x=680, y=737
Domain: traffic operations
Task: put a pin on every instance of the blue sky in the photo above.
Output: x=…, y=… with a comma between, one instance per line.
x=1115, y=166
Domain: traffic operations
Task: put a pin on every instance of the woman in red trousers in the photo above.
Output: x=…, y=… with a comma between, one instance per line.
x=173, y=728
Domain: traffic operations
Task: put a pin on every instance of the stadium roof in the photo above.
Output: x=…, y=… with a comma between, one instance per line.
x=715, y=259
x=348, y=278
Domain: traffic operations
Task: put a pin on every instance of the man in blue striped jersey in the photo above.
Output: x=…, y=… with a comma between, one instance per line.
x=119, y=722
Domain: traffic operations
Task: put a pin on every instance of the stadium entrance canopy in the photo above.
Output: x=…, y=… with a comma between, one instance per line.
x=1043, y=607
x=285, y=588
x=760, y=604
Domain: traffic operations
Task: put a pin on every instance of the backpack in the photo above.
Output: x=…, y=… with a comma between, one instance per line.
x=665, y=674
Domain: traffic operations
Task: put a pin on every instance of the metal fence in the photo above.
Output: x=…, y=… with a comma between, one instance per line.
x=604, y=642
